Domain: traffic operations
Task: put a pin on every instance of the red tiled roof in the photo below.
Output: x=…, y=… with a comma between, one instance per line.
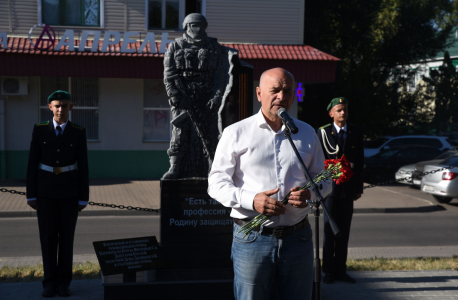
x=290, y=52
x=246, y=51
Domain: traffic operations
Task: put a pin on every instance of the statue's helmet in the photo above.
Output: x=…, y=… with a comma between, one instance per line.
x=194, y=18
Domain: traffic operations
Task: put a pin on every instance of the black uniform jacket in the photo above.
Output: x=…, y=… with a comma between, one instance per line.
x=49, y=150
x=353, y=150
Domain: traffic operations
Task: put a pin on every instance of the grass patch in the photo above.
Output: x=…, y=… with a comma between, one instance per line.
x=406, y=264
x=87, y=270
x=91, y=270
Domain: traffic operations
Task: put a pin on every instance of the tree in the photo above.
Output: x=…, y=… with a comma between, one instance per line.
x=372, y=38
x=443, y=93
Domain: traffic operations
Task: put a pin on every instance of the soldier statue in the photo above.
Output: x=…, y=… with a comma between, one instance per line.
x=197, y=79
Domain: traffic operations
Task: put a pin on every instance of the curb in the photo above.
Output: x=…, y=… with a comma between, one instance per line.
x=129, y=213
x=429, y=208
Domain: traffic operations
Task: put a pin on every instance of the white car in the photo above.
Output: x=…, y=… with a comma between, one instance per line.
x=443, y=185
x=439, y=142
x=405, y=172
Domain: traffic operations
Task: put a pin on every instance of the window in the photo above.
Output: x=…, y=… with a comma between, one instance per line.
x=451, y=161
x=85, y=101
x=71, y=12
x=169, y=14
x=375, y=144
x=156, y=112
x=426, y=142
x=446, y=155
x=428, y=153
x=407, y=154
x=386, y=154
x=396, y=142
x=431, y=142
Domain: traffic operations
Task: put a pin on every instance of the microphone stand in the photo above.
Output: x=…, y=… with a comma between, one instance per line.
x=314, y=204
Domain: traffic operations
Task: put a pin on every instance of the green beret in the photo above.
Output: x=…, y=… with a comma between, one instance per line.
x=335, y=101
x=59, y=95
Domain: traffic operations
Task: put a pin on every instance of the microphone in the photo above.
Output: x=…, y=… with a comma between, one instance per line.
x=287, y=120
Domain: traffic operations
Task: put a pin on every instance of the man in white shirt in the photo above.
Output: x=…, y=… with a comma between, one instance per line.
x=255, y=167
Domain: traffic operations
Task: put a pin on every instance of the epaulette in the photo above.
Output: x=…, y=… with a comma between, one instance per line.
x=77, y=126
x=322, y=127
x=42, y=123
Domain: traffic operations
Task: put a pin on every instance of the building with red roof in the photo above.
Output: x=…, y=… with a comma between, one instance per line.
x=110, y=58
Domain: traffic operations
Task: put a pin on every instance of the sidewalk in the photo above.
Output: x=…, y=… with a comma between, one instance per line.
x=378, y=285
x=393, y=285
x=119, y=191
x=147, y=194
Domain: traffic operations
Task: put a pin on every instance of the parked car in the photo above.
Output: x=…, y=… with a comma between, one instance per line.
x=376, y=143
x=383, y=165
x=442, y=185
x=405, y=172
x=419, y=167
x=452, y=138
x=439, y=142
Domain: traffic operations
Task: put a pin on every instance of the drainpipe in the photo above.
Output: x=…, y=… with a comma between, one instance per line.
x=2, y=140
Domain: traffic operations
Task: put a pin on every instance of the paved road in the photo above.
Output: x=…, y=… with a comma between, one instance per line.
x=19, y=236
x=384, y=285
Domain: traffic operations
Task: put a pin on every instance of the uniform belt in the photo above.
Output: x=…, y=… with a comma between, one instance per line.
x=58, y=170
x=279, y=231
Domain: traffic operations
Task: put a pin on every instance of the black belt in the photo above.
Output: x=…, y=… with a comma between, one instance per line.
x=279, y=231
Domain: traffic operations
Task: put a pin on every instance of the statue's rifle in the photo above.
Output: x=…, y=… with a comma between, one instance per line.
x=189, y=111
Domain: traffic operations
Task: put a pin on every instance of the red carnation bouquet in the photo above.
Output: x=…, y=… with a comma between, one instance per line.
x=341, y=169
x=337, y=169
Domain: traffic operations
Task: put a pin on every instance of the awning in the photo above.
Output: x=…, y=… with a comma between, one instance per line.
x=306, y=63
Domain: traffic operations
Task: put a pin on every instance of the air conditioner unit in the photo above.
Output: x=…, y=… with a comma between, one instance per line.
x=14, y=85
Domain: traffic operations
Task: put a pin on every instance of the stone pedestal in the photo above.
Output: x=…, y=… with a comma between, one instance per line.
x=196, y=231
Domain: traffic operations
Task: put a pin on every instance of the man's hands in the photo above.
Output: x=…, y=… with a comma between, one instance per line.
x=265, y=205
x=357, y=196
x=33, y=204
x=270, y=207
x=81, y=207
x=299, y=198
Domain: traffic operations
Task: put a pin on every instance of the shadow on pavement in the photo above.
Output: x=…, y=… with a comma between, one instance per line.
x=425, y=280
x=432, y=208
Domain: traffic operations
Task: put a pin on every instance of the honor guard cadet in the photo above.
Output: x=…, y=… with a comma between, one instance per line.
x=58, y=187
x=337, y=139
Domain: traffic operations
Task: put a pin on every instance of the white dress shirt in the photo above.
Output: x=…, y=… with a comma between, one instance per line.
x=252, y=158
x=61, y=126
x=80, y=202
x=340, y=128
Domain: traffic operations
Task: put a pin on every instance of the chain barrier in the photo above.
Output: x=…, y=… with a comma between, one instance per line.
x=125, y=207
x=11, y=191
x=159, y=210
x=97, y=204
x=409, y=177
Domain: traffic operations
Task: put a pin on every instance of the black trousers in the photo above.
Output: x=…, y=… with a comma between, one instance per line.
x=57, y=222
x=335, y=250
